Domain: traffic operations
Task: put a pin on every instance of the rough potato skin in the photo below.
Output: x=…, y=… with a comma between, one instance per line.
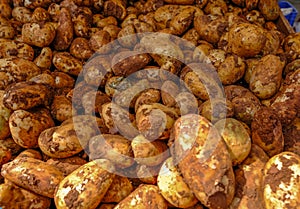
x=143, y=197
x=266, y=77
x=291, y=134
x=44, y=59
x=38, y=34
x=267, y=131
x=116, y=8
x=32, y=174
x=280, y=181
x=292, y=46
x=80, y=48
x=10, y=48
x=204, y=161
x=246, y=40
x=13, y=196
x=65, y=62
x=269, y=9
x=14, y=70
x=85, y=187
x=26, y=126
x=4, y=117
x=172, y=186
x=64, y=31
x=26, y=95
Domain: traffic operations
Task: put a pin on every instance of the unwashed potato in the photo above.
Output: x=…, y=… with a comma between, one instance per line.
x=4, y=117
x=172, y=186
x=26, y=126
x=269, y=9
x=236, y=138
x=88, y=184
x=280, y=181
x=66, y=63
x=291, y=135
x=10, y=48
x=32, y=174
x=204, y=161
x=143, y=197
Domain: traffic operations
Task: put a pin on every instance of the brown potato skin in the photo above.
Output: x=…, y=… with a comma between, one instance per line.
x=34, y=175
x=267, y=131
x=266, y=78
x=269, y=9
x=143, y=197
x=192, y=160
x=65, y=62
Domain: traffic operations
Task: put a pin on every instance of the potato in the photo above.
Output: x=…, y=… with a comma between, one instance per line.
x=216, y=109
x=249, y=180
x=147, y=174
x=26, y=95
x=6, y=29
x=266, y=78
x=267, y=131
x=273, y=42
x=14, y=49
x=65, y=62
x=38, y=34
x=80, y=48
x=88, y=184
x=82, y=19
x=187, y=103
x=143, y=197
x=291, y=135
x=119, y=189
x=269, y=9
x=114, y=148
x=30, y=153
x=149, y=96
x=22, y=14
x=63, y=80
x=5, y=9
x=280, y=184
x=95, y=105
x=15, y=70
x=99, y=41
x=182, y=21
x=5, y=155
x=245, y=103
x=172, y=186
x=44, y=59
x=26, y=126
x=113, y=31
x=200, y=152
x=154, y=121
x=115, y=8
x=246, y=40
x=39, y=15
x=236, y=138
x=169, y=90
x=70, y=137
x=35, y=4
x=291, y=46
x=4, y=117
x=218, y=7
x=61, y=108
x=250, y=66
x=32, y=174
x=10, y=145
x=12, y=196
x=206, y=26
x=65, y=167
x=64, y=31
x=150, y=153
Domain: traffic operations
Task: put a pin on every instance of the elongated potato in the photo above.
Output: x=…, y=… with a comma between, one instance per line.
x=204, y=161
x=32, y=174
x=143, y=197
x=85, y=187
x=172, y=186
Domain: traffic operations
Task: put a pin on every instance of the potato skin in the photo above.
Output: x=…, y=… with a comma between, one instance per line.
x=280, y=180
x=85, y=187
x=143, y=197
x=34, y=175
x=267, y=131
x=172, y=186
x=266, y=76
x=269, y=9
x=246, y=40
x=65, y=62
x=204, y=161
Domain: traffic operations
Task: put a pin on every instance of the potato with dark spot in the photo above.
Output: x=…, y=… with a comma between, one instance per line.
x=149, y=96
x=267, y=131
x=172, y=186
x=147, y=174
x=61, y=108
x=99, y=41
x=280, y=181
x=266, y=78
x=204, y=161
x=38, y=34
x=30, y=153
x=292, y=46
x=44, y=59
x=14, y=70
x=269, y=9
x=169, y=90
x=4, y=117
x=32, y=174
x=115, y=148
x=94, y=105
x=22, y=14
x=26, y=126
x=66, y=63
x=64, y=30
x=86, y=186
x=6, y=29
x=10, y=48
x=5, y=155
x=187, y=103
x=80, y=48
x=236, y=138
x=115, y=8
x=26, y=95
x=182, y=21
x=143, y=197
x=13, y=196
x=291, y=134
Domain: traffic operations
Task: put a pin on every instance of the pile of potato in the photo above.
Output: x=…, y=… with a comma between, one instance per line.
x=98, y=110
